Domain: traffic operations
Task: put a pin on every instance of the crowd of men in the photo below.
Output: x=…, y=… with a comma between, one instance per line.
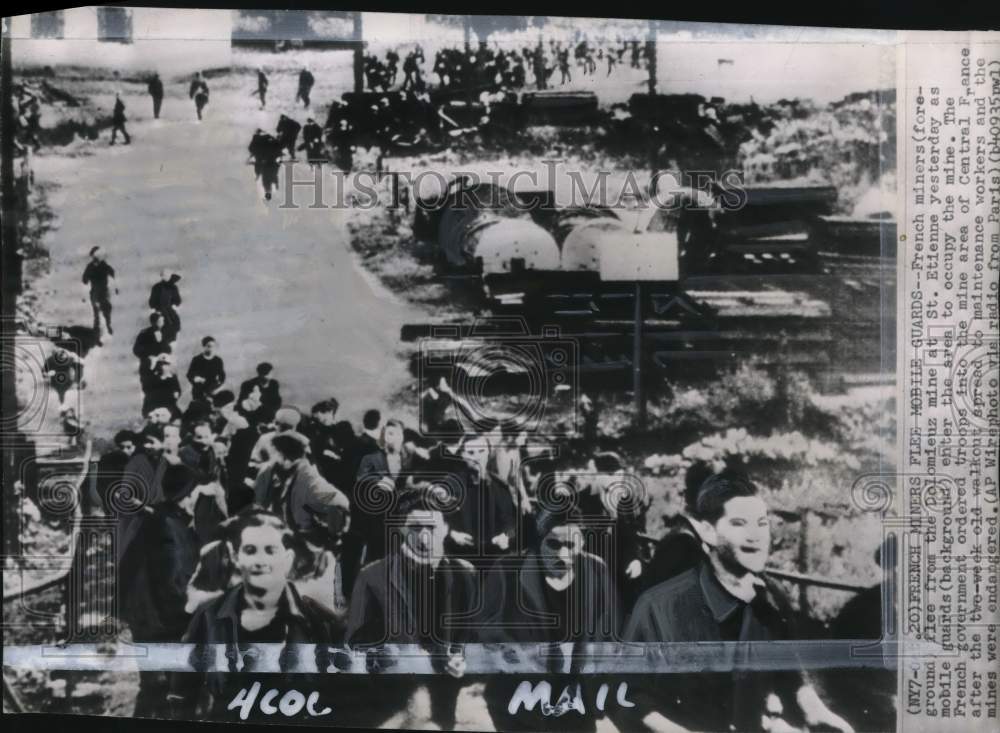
x=508, y=66
x=241, y=520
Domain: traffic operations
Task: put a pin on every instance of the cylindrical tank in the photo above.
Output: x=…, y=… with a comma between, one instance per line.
x=581, y=250
x=505, y=245
x=466, y=212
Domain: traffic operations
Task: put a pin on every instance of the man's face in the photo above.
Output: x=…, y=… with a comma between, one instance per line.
x=262, y=559
x=560, y=548
x=127, y=447
x=202, y=435
x=152, y=446
x=171, y=438
x=476, y=453
x=159, y=416
x=741, y=539
x=324, y=418
x=423, y=534
x=393, y=437
x=209, y=348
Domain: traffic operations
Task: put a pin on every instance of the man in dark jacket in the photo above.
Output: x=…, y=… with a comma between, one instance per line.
x=207, y=496
x=306, y=81
x=312, y=142
x=262, y=395
x=264, y=607
x=262, y=86
x=265, y=151
x=288, y=133
x=165, y=297
x=484, y=521
x=328, y=455
x=118, y=120
x=111, y=467
x=153, y=575
x=727, y=597
x=556, y=594
x=415, y=595
x=155, y=87
x=150, y=343
x=99, y=277
x=198, y=91
x=380, y=475
x=207, y=373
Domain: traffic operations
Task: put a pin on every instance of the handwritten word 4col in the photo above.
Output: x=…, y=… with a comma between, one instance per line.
x=289, y=704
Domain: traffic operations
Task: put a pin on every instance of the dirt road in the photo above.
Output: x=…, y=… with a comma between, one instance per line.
x=270, y=284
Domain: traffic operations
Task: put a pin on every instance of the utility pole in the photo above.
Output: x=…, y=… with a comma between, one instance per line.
x=637, y=359
x=651, y=55
x=359, y=54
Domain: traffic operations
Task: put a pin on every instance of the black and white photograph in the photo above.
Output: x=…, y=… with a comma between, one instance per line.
x=440, y=372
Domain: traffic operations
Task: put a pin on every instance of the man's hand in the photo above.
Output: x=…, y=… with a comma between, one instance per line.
x=502, y=541
x=198, y=380
x=634, y=569
x=443, y=387
x=462, y=539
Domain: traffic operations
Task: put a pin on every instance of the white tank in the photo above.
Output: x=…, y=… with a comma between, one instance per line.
x=501, y=241
x=581, y=249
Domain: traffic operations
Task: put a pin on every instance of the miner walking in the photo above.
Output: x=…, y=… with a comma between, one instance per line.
x=155, y=87
x=199, y=93
x=118, y=120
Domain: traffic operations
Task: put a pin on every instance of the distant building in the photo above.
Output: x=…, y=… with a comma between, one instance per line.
x=169, y=40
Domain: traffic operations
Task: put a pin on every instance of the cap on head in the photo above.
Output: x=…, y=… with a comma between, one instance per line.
x=288, y=416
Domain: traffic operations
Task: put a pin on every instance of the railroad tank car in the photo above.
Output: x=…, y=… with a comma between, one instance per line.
x=504, y=246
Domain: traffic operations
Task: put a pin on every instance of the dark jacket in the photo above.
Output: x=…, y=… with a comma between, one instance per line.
x=385, y=605
x=165, y=297
x=146, y=345
x=694, y=607
x=213, y=371
x=161, y=391
x=264, y=148
x=154, y=574
x=218, y=622
x=155, y=87
x=198, y=88
x=287, y=129
x=96, y=275
x=306, y=80
x=141, y=486
x=308, y=503
x=518, y=610
x=118, y=115
x=367, y=522
x=270, y=399
x=484, y=505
